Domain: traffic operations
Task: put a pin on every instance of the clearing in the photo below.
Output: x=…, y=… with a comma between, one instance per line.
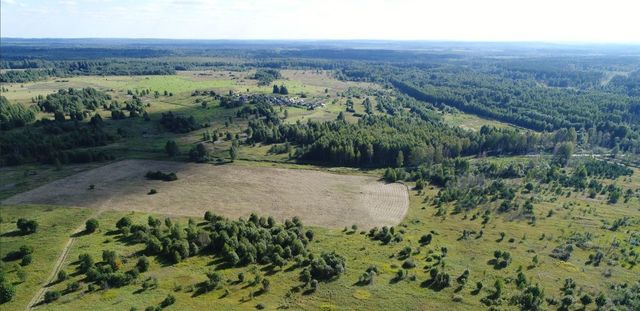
x=318, y=198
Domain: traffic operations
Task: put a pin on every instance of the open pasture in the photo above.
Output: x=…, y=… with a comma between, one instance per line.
x=318, y=198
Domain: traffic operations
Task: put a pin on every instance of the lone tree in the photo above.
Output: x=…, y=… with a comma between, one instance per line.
x=276, y=89
x=62, y=275
x=199, y=153
x=91, y=225
x=124, y=222
x=563, y=153
x=27, y=226
x=233, y=152
x=143, y=264
x=400, y=159
x=51, y=296
x=172, y=148
x=7, y=292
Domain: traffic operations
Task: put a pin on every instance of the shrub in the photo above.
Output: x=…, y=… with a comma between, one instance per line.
x=27, y=226
x=73, y=286
x=26, y=250
x=462, y=279
x=426, y=239
x=531, y=298
x=152, y=191
x=408, y=264
x=586, y=300
x=23, y=251
x=7, y=292
x=149, y=283
x=314, y=284
x=143, y=264
x=309, y=234
x=91, y=225
x=178, y=124
x=158, y=175
x=328, y=266
x=213, y=280
x=367, y=277
x=62, y=275
x=265, y=285
x=21, y=274
x=51, y=296
x=86, y=262
x=124, y=222
x=172, y=148
x=26, y=260
x=501, y=259
x=169, y=300
x=439, y=279
x=562, y=252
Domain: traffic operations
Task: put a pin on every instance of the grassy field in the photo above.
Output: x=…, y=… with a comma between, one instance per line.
x=572, y=214
x=471, y=122
x=230, y=190
x=147, y=139
x=55, y=226
x=297, y=81
x=560, y=216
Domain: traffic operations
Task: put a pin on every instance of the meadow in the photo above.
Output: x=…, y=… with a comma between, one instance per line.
x=523, y=241
x=340, y=204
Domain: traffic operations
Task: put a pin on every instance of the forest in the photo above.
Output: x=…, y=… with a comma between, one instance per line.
x=514, y=168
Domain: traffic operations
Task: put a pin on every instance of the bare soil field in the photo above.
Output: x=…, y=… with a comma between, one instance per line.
x=318, y=198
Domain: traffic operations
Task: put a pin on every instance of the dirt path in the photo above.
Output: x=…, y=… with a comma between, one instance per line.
x=38, y=296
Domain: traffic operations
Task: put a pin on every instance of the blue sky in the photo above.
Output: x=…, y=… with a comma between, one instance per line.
x=468, y=20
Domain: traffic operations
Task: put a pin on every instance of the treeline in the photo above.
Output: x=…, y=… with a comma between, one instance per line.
x=55, y=142
x=608, y=118
x=527, y=93
x=379, y=141
x=14, y=115
x=116, y=67
x=21, y=76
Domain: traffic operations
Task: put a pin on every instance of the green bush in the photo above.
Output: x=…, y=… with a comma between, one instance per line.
x=51, y=296
x=91, y=225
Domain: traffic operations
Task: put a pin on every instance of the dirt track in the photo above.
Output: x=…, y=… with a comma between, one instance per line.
x=318, y=198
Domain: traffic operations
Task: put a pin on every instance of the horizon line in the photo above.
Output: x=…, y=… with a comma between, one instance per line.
x=555, y=42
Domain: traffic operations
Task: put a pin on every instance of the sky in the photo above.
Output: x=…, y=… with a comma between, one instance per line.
x=607, y=21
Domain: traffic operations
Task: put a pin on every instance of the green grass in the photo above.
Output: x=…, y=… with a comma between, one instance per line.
x=580, y=215
x=471, y=122
x=147, y=139
x=16, y=179
x=56, y=224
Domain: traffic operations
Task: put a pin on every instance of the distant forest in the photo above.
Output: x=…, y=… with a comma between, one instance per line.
x=542, y=88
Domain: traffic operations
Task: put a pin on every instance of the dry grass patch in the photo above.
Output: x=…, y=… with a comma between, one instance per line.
x=318, y=198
